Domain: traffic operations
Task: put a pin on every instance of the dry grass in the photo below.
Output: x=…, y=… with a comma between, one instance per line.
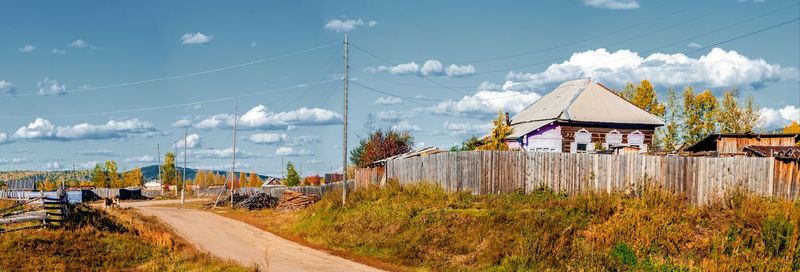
x=421, y=226
x=97, y=240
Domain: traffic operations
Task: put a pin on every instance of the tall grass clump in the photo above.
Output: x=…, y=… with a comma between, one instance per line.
x=422, y=226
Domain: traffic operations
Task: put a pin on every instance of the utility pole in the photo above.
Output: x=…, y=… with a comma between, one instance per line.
x=344, y=130
x=233, y=165
x=183, y=188
x=175, y=166
x=160, y=179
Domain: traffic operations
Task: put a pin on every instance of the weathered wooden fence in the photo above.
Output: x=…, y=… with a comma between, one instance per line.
x=701, y=179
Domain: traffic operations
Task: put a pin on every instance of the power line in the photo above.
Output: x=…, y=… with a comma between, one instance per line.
x=145, y=81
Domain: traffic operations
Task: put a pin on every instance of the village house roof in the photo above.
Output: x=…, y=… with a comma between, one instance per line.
x=709, y=143
x=780, y=152
x=580, y=100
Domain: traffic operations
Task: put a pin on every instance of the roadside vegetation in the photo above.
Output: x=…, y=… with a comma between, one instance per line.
x=422, y=227
x=98, y=240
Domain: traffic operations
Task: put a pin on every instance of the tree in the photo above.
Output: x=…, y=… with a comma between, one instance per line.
x=138, y=178
x=241, y=181
x=169, y=174
x=699, y=113
x=732, y=118
x=99, y=177
x=670, y=136
x=501, y=130
x=254, y=180
x=468, y=145
x=292, y=178
x=793, y=128
x=313, y=180
x=380, y=145
x=644, y=97
x=113, y=175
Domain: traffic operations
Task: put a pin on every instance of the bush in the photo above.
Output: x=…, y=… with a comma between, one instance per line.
x=776, y=232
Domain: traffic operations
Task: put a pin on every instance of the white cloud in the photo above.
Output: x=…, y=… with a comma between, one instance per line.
x=259, y=117
x=89, y=164
x=405, y=126
x=346, y=25
x=81, y=44
x=291, y=152
x=460, y=71
x=777, y=118
x=141, y=159
x=7, y=88
x=718, y=68
x=694, y=45
x=59, y=51
x=53, y=166
x=467, y=128
x=4, y=138
x=182, y=123
x=191, y=141
x=281, y=138
x=253, y=44
x=485, y=104
x=612, y=4
x=27, y=48
x=227, y=153
x=13, y=161
x=96, y=152
x=393, y=116
x=389, y=100
x=42, y=129
x=196, y=38
x=51, y=87
x=428, y=68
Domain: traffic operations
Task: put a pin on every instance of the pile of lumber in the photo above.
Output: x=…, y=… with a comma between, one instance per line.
x=257, y=201
x=292, y=200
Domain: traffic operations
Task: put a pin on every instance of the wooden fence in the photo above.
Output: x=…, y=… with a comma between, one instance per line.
x=701, y=179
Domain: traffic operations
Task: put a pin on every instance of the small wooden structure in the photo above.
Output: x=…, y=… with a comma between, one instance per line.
x=734, y=144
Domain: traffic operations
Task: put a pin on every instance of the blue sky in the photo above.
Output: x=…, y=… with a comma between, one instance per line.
x=86, y=81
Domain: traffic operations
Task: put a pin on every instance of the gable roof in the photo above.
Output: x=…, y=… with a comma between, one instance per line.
x=580, y=100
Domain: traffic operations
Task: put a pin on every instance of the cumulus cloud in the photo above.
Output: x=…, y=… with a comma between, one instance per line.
x=51, y=87
x=53, y=166
x=81, y=44
x=196, y=38
x=281, y=138
x=612, y=4
x=428, y=68
x=389, y=100
x=393, y=116
x=182, y=123
x=27, y=48
x=96, y=152
x=89, y=164
x=694, y=45
x=191, y=141
x=487, y=102
x=42, y=129
x=405, y=126
x=346, y=25
x=4, y=138
x=291, y=152
x=718, y=68
x=260, y=117
x=212, y=153
x=141, y=159
x=467, y=128
x=7, y=88
x=772, y=118
x=4, y=161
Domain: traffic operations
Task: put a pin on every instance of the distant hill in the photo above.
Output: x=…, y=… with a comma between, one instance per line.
x=151, y=172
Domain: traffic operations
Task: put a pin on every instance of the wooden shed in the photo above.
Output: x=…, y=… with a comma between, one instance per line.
x=735, y=144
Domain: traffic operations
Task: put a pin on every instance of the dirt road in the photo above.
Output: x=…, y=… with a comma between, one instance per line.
x=248, y=245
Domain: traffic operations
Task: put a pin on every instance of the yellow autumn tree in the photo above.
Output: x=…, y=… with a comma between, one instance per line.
x=241, y=181
x=501, y=130
x=254, y=180
x=699, y=115
x=793, y=128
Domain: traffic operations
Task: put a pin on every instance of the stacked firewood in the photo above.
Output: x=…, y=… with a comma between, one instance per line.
x=292, y=200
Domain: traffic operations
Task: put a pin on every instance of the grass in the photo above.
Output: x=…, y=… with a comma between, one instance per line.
x=421, y=227
x=98, y=240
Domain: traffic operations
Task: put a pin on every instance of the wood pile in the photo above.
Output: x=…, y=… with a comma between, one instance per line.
x=257, y=202
x=292, y=200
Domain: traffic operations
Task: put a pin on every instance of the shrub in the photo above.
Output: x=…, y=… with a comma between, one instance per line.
x=776, y=232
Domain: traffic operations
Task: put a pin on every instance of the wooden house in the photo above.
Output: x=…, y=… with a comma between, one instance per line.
x=735, y=144
x=579, y=115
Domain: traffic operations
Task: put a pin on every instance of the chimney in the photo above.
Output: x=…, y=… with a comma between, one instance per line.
x=508, y=120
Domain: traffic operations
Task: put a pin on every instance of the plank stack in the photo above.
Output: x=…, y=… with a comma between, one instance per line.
x=291, y=200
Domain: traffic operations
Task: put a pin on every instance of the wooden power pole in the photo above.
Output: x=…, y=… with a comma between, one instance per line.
x=344, y=129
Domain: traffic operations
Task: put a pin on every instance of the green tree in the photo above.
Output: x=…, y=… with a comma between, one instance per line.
x=733, y=118
x=671, y=135
x=113, y=174
x=468, y=145
x=99, y=177
x=644, y=96
x=169, y=174
x=292, y=178
x=699, y=112
x=501, y=130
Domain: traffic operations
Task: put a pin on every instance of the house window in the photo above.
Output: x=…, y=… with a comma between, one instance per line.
x=581, y=147
x=613, y=138
x=583, y=141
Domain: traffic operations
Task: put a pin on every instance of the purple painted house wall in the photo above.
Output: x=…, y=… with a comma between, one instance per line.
x=545, y=139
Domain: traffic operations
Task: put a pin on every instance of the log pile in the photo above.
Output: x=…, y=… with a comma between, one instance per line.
x=292, y=200
x=257, y=201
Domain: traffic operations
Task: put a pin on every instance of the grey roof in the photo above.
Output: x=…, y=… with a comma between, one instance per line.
x=580, y=100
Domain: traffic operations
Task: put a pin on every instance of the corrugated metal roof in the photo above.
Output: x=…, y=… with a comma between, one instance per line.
x=580, y=100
